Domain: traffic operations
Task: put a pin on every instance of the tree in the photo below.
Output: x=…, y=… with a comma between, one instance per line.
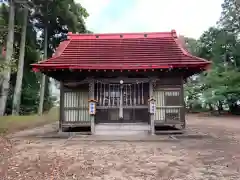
x=5, y=74
x=193, y=89
x=18, y=86
x=34, y=47
x=193, y=86
x=30, y=85
x=55, y=19
x=189, y=44
x=217, y=87
x=230, y=18
x=3, y=38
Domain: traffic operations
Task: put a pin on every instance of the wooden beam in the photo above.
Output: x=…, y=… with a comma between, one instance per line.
x=125, y=80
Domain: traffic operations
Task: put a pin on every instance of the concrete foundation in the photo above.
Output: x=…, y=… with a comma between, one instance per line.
x=122, y=129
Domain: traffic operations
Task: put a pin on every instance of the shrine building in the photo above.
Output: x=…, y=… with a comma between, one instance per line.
x=122, y=78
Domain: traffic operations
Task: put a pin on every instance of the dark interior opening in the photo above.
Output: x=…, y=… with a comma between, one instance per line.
x=165, y=128
x=130, y=115
x=78, y=129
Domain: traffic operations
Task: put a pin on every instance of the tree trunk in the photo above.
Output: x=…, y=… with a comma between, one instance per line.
x=210, y=107
x=5, y=75
x=18, y=87
x=234, y=108
x=42, y=90
x=190, y=107
x=220, y=107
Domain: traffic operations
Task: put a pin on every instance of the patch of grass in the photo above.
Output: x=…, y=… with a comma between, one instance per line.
x=10, y=124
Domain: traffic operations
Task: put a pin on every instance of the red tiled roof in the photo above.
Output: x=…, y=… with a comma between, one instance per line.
x=122, y=51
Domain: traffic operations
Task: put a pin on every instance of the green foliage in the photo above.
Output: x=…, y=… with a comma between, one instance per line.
x=230, y=18
x=60, y=16
x=220, y=86
x=3, y=36
x=191, y=45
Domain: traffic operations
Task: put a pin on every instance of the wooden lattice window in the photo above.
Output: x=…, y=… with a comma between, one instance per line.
x=172, y=98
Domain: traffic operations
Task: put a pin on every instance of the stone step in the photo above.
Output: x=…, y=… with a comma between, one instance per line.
x=123, y=127
x=121, y=133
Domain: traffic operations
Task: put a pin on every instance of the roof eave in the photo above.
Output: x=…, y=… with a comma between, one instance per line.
x=39, y=67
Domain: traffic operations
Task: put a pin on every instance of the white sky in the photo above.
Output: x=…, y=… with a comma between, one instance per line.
x=188, y=17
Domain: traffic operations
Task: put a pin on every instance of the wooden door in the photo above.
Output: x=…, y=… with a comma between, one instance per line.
x=121, y=103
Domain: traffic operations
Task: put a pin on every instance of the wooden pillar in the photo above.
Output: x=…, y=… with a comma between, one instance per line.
x=152, y=124
x=61, y=107
x=182, y=110
x=91, y=96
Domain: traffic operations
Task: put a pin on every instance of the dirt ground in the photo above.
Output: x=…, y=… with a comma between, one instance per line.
x=213, y=155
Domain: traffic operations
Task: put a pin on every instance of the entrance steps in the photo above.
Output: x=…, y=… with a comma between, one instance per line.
x=122, y=129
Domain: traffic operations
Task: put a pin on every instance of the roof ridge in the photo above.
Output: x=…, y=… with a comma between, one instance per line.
x=135, y=35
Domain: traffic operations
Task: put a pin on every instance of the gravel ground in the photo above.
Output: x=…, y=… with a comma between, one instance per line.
x=216, y=157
